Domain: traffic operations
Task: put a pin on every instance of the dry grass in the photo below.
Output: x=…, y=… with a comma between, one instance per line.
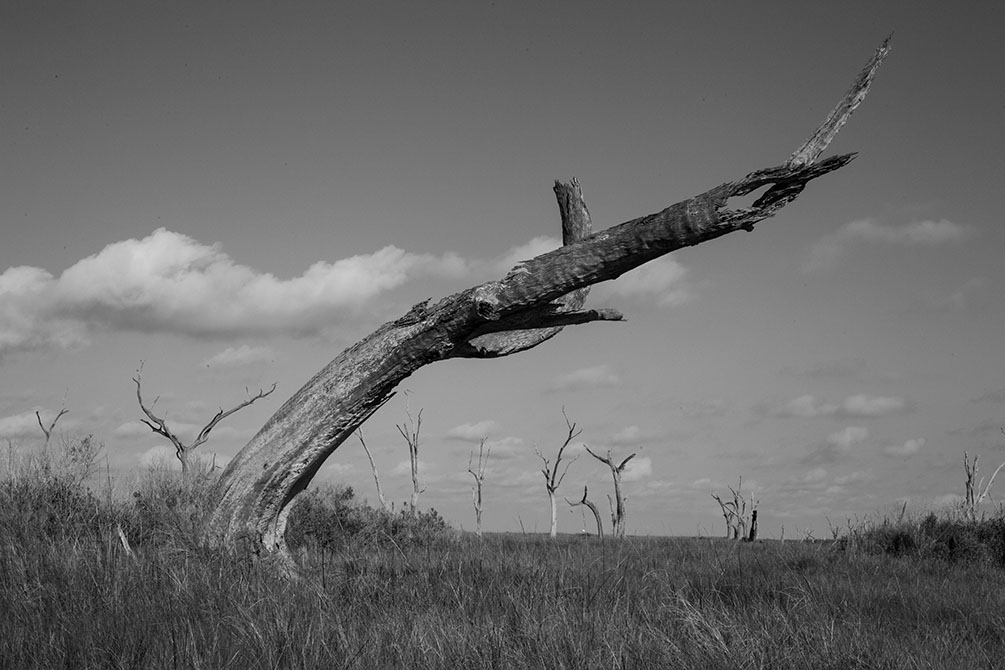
x=71, y=597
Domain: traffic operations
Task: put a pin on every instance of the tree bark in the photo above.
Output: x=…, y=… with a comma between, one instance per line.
x=526, y=307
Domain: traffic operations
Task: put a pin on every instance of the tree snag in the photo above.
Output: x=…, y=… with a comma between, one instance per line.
x=593, y=508
x=411, y=435
x=373, y=466
x=552, y=480
x=523, y=309
x=181, y=450
x=48, y=431
x=975, y=493
x=618, y=514
x=476, y=489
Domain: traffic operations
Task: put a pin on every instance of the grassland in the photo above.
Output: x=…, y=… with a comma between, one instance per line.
x=381, y=593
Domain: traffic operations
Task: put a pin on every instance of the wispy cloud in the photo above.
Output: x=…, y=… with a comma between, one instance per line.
x=598, y=376
x=837, y=445
x=169, y=282
x=828, y=250
x=909, y=448
x=233, y=357
x=472, y=432
x=860, y=405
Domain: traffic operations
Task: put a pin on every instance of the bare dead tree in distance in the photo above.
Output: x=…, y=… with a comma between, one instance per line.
x=48, y=431
x=592, y=507
x=736, y=515
x=523, y=309
x=619, y=514
x=159, y=425
x=411, y=435
x=373, y=466
x=975, y=493
x=476, y=489
x=552, y=480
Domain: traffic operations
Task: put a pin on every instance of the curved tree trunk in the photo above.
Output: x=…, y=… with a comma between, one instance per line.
x=498, y=318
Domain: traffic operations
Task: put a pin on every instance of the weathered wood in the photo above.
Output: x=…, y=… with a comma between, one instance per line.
x=498, y=318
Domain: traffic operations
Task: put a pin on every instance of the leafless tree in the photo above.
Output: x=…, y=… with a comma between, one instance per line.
x=592, y=507
x=976, y=493
x=736, y=514
x=528, y=306
x=476, y=489
x=48, y=431
x=552, y=480
x=376, y=478
x=159, y=425
x=619, y=515
x=411, y=434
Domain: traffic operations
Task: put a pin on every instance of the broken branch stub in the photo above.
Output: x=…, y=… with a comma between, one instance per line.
x=497, y=318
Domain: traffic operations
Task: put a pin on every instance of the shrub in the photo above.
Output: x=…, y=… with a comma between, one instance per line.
x=330, y=517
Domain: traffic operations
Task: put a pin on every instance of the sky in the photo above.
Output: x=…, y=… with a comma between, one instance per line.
x=232, y=193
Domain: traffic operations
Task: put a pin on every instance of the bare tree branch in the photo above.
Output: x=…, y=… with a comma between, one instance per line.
x=592, y=507
x=48, y=431
x=159, y=425
x=376, y=478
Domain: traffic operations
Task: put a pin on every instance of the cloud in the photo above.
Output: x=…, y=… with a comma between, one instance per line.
x=860, y=405
x=598, y=376
x=169, y=282
x=909, y=448
x=848, y=437
x=837, y=445
x=404, y=469
x=660, y=280
x=637, y=469
x=20, y=426
x=869, y=405
x=827, y=251
x=506, y=448
x=629, y=436
x=471, y=432
x=233, y=357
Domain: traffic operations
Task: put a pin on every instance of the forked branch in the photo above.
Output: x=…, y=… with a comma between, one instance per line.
x=159, y=424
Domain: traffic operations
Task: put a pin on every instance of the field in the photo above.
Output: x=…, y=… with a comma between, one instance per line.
x=387, y=593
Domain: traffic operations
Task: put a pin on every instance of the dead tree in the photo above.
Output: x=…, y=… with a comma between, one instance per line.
x=376, y=478
x=159, y=425
x=592, y=507
x=411, y=435
x=619, y=515
x=977, y=493
x=729, y=514
x=523, y=309
x=552, y=480
x=735, y=513
x=48, y=431
x=476, y=490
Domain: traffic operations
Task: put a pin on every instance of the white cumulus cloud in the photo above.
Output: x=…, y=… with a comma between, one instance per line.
x=233, y=357
x=169, y=282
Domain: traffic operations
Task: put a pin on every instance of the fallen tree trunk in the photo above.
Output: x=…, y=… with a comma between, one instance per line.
x=530, y=305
